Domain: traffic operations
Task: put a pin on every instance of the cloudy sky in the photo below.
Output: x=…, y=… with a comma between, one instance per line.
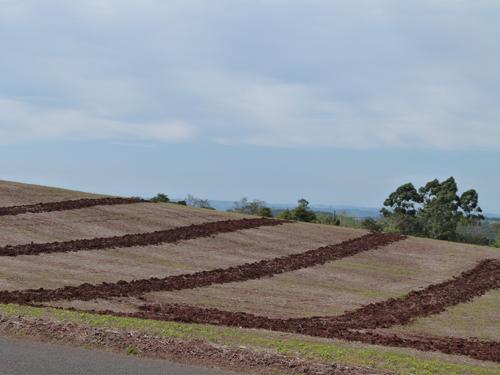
x=336, y=101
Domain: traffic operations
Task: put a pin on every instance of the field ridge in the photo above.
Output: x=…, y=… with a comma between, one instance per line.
x=138, y=239
x=244, y=272
x=73, y=204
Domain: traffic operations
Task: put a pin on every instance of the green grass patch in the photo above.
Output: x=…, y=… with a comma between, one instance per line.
x=395, y=360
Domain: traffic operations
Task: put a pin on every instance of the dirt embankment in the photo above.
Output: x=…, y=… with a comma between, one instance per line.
x=483, y=350
x=65, y=205
x=139, y=239
x=192, y=352
x=244, y=272
x=434, y=299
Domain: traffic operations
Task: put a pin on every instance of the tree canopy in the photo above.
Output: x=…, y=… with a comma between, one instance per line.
x=255, y=207
x=160, y=198
x=300, y=213
x=434, y=210
x=193, y=201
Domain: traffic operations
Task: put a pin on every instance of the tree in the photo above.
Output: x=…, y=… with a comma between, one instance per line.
x=255, y=207
x=372, y=225
x=469, y=203
x=435, y=210
x=440, y=212
x=328, y=218
x=265, y=212
x=198, y=202
x=286, y=214
x=160, y=198
x=402, y=209
x=302, y=212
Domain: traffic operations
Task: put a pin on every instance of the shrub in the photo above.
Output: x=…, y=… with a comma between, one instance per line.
x=372, y=225
x=256, y=207
x=160, y=198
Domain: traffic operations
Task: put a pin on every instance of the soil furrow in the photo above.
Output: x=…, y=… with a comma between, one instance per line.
x=244, y=272
x=483, y=350
x=434, y=299
x=65, y=205
x=139, y=239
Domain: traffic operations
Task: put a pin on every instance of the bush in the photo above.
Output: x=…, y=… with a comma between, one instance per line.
x=286, y=214
x=372, y=225
x=265, y=212
x=300, y=213
x=193, y=201
x=256, y=207
x=160, y=198
x=327, y=218
x=303, y=213
x=480, y=233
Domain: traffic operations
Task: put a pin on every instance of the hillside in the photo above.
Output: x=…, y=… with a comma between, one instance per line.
x=415, y=305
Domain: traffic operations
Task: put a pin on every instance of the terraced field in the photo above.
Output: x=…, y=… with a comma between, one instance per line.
x=63, y=251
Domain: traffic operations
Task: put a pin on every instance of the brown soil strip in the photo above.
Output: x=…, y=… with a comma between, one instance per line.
x=434, y=299
x=65, y=205
x=139, y=239
x=244, y=272
x=189, y=352
x=483, y=350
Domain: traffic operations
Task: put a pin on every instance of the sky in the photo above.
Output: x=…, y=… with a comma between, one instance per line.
x=335, y=101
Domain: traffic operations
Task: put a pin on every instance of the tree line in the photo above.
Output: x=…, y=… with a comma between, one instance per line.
x=435, y=210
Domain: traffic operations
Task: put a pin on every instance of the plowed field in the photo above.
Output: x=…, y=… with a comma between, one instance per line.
x=162, y=262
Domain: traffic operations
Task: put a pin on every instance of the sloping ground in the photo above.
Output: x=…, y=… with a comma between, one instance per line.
x=483, y=350
x=14, y=193
x=432, y=300
x=343, y=353
x=346, y=284
x=223, y=250
x=101, y=222
x=72, y=204
x=155, y=238
x=479, y=318
x=240, y=273
x=330, y=289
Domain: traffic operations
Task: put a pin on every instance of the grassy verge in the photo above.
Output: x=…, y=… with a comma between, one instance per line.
x=395, y=360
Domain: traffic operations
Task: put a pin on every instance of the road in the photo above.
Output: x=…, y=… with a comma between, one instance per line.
x=20, y=357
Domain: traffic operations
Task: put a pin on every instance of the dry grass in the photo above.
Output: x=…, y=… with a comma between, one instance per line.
x=343, y=285
x=224, y=250
x=14, y=193
x=101, y=221
x=330, y=289
x=479, y=318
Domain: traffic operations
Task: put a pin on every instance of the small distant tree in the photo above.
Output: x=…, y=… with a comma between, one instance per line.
x=302, y=212
x=372, y=225
x=160, y=198
x=255, y=207
x=182, y=203
x=286, y=214
x=328, y=218
x=193, y=201
x=265, y=212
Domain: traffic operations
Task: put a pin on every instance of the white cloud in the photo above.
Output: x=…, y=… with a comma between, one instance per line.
x=263, y=112
x=360, y=74
x=20, y=121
